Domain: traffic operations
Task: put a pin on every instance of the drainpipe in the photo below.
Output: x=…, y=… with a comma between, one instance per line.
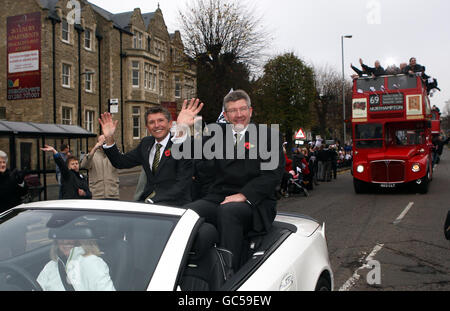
x=54, y=20
x=99, y=40
x=121, y=91
x=79, y=30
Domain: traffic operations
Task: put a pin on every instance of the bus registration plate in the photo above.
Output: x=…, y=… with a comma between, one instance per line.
x=387, y=185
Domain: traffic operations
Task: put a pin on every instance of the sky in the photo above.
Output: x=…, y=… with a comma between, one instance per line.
x=391, y=31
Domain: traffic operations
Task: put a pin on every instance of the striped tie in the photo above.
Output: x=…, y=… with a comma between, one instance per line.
x=156, y=158
x=238, y=138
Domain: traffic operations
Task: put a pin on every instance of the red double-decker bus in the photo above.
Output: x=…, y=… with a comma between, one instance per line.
x=391, y=121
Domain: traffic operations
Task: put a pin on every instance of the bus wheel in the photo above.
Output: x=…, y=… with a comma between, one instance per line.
x=423, y=186
x=360, y=186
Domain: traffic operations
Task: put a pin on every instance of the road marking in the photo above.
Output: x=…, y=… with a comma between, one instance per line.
x=402, y=215
x=355, y=277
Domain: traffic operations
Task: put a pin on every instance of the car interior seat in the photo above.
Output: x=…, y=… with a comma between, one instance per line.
x=208, y=267
x=118, y=254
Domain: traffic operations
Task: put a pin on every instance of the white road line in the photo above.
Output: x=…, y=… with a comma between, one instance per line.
x=405, y=211
x=355, y=277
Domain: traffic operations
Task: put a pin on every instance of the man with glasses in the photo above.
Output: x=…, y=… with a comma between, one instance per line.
x=242, y=198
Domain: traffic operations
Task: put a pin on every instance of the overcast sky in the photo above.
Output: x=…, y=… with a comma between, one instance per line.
x=388, y=30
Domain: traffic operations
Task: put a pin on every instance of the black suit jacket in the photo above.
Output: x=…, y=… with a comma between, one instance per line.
x=173, y=178
x=245, y=176
x=71, y=181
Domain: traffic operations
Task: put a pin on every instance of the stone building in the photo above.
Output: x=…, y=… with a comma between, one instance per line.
x=91, y=61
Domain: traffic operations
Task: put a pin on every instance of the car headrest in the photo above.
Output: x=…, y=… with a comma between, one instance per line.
x=71, y=233
x=207, y=237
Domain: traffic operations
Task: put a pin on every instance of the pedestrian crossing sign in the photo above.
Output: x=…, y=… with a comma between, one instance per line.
x=300, y=134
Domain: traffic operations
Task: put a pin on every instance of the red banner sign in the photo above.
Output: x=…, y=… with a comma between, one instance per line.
x=24, y=56
x=172, y=107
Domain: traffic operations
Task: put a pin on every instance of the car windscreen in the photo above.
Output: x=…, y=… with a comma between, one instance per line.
x=370, y=84
x=369, y=135
x=409, y=137
x=369, y=131
x=402, y=82
x=121, y=248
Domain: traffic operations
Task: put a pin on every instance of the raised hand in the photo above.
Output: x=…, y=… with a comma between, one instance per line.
x=100, y=141
x=189, y=111
x=49, y=148
x=108, y=124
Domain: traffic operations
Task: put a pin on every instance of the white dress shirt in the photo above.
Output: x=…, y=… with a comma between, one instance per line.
x=161, y=150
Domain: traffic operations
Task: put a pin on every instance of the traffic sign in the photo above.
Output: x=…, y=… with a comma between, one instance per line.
x=300, y=134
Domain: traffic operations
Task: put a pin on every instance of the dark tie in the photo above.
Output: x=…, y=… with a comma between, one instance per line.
x=156, y=158
x=238, y=138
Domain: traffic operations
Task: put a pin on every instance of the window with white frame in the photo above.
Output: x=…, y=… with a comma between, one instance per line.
x=153, y=78
x=65, y=76
x=150, y=77
x=137, y=40
x=65, y=31
x=135, y=72
x=88, y=39
x=161, y=84
x=146, y=75
x=88, y=82
x=160, y=50
x=89, y=120
x=189, y=86
x=66, y=117
x=177, y=86
x=136, y=116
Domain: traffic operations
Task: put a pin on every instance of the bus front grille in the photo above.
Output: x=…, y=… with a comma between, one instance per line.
x=388, y=171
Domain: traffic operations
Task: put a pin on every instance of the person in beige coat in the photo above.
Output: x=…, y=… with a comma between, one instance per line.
x=103, y=177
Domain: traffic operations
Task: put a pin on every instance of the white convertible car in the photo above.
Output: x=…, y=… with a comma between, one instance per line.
x=151, y=247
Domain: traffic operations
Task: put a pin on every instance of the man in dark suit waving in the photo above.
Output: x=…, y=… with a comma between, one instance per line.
x=168, y=180
x=242, y=197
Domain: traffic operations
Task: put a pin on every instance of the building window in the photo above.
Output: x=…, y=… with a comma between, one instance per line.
x=65, y=34
x=136, y=115
x=135, y=73
x=89, y=120
x=66, y=115
x=153, y=78
x=146, y=75
x=66, y=71
x=177, y=87
x=161, y=84
x=150, y=77
x=88, y=82
x=149, y=44
x=189, y=88
x=137, y=40
x=2, y=113
x=87, y=39
x=160, y=50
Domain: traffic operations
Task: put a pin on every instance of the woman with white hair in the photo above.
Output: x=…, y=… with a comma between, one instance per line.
x=75, y=265
x=12, y=185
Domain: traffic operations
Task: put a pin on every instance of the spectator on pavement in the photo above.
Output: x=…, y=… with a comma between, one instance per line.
x=103, y=176
x=74, y=184
x=65, y=152
x=12, y=184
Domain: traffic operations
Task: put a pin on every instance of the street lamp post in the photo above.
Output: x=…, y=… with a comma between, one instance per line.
x=343, y=84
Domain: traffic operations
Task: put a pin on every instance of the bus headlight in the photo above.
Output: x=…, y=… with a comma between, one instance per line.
x=416, y=167
x=360, y=169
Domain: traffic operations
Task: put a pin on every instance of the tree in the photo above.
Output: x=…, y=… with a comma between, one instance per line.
x=284, y=93
x=226, y=41
x=328, y=103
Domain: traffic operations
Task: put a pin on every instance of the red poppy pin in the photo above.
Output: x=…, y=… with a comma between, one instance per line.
x=248, y=146
x=167, y=153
